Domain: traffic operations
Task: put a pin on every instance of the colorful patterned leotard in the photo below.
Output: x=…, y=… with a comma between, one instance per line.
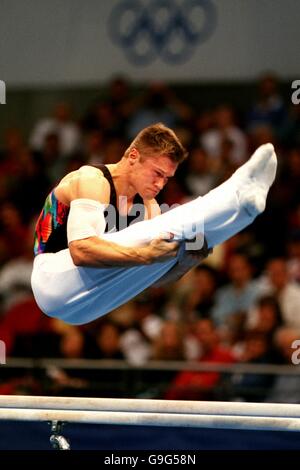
x=51, y=228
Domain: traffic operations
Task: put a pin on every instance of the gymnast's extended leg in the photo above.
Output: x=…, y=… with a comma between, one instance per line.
x=220, y=214
x=79, y=294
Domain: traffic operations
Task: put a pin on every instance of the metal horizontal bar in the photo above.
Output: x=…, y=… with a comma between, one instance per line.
x=154, y=419
x=151, y=406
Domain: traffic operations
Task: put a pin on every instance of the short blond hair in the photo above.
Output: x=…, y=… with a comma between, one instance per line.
x=158, y=139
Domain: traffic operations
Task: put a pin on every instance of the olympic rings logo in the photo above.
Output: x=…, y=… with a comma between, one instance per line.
x=162, y=28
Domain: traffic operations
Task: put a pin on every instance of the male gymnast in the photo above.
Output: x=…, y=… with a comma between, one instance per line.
x=87, y=264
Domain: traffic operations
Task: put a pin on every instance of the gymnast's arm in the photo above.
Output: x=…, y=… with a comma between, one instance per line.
x=89, y=195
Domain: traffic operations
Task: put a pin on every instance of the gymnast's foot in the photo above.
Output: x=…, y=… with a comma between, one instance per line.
x=254, y=179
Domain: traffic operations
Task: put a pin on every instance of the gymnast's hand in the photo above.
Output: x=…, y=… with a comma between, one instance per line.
x=162, y=249
x=191, y=258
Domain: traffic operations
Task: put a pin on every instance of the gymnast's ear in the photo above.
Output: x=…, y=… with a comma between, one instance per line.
x=134, y=156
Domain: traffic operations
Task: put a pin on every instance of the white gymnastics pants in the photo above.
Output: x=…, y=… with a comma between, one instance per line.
x=79, y=295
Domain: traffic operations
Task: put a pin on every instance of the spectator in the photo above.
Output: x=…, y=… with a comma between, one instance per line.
x=287, y=292
x=189, y=385
x=237, y=297
x=286, y=388
x=61, y=124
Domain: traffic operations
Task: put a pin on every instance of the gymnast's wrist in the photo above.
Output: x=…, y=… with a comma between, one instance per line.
x=143, y=255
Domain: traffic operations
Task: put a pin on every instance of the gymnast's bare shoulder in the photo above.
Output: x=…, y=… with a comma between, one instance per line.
x=87, y=182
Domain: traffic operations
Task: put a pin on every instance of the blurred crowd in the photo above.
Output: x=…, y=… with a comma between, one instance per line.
x=241, y=305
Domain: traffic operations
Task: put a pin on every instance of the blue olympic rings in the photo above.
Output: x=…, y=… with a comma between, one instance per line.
x=162, y=28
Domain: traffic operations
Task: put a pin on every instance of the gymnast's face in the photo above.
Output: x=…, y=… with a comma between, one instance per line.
x=151, y=173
